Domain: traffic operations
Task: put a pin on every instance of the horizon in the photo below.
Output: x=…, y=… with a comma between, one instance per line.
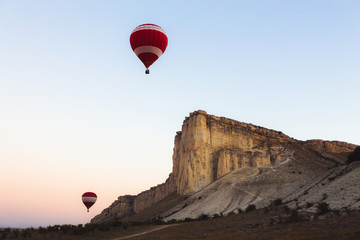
x=79, y=114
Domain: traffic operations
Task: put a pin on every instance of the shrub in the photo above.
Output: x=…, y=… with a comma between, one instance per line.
x=54, y=228
x=77, y=230
x=331, y=179
x=323, y=208
x=286, y=209
x=203, y=217
x=324, y=196
x=16, y=233
x=26, y=233
x=232, y=213
x=309, y=204
x=116, y=223
x=188, y=219
x=251, y=207
x=157, y=221
x=216, y=215
x=42, y=230
x=354, y=156
x=104, y=227
x=125, y=226
x=65, y=228
x=3, y=234
x=276, y=202
x=294, y=216
x=90, y=227
x=172, y=221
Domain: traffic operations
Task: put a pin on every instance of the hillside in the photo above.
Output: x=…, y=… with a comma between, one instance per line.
x=222, y=165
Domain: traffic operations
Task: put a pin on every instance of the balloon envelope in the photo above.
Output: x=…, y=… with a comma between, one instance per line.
x=89, y=198
x=149, y=42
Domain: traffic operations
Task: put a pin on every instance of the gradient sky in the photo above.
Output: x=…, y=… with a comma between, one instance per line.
x=77, y=112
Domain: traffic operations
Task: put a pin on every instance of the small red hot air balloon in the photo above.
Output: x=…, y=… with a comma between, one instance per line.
x=149, y=42
x=89, y=198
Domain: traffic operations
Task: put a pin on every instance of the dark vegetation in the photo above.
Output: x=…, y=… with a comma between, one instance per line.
x=323, y=208
x=354, y=156
x=68, y=231
x=247, y=224
x=276, y=202
x=250, y=208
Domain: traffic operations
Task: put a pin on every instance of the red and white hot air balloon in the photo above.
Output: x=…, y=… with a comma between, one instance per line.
x=149, y=42
x=89, y=198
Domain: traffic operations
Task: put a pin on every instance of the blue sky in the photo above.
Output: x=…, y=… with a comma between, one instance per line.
x=79, y=114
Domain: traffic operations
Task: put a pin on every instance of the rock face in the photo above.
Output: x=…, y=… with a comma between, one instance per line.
x=339, y=187
x=127, y=206
x=209, y=147
x=121, y=208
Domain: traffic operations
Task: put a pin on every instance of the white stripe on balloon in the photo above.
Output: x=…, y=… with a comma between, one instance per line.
x=149, y=27
x=89, y=199
x=148, y=49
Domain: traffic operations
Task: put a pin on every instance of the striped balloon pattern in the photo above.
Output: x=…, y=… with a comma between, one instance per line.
x=149, y=42
x=89, y=198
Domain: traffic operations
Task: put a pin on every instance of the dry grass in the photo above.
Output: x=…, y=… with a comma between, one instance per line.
x=257, y=225
x=93, y=235
x=276, y=224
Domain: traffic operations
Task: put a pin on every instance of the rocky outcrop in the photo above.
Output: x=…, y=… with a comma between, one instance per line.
x=335, y=150
x=121, y=208
x=128, y=205
x=339, y=187
x=302, y=189
x=154, y=195
x=209, y=147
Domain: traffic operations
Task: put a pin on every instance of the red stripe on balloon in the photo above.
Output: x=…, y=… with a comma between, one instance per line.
x=149, y=38
x=89, y=204
x=89, y=194
x=148, y=58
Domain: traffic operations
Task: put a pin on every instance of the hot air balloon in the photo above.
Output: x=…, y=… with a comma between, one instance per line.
x=149, y=42
x=89, y=198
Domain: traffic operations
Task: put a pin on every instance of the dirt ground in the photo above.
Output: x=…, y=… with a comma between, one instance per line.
x=260, y=225
x=280, y=223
